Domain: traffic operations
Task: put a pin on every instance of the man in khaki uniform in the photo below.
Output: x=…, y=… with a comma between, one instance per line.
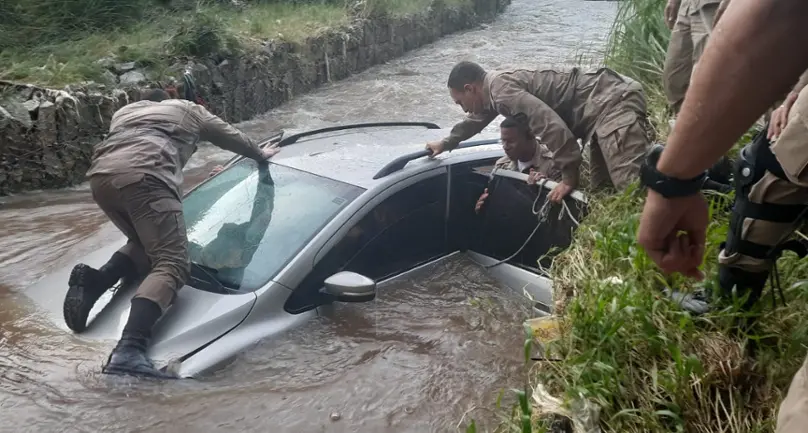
x=692, y=22
x=523, y=153
x=779, y=117
x=603, y=107
x=771, y=179
x=136, y=177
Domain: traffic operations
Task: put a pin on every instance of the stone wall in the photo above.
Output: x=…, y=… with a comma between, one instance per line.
x=46, y=135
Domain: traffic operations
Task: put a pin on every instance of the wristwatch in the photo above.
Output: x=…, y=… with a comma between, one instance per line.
x=668, y=187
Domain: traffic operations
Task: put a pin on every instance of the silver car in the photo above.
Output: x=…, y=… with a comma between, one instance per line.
x=338, y=213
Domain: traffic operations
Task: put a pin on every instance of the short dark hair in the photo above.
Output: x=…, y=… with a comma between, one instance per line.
x=155, y=95
x=518, y=121
x=465, y=73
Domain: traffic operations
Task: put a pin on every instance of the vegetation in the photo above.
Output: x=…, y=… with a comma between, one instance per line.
x=623, y=345
x=58, y=42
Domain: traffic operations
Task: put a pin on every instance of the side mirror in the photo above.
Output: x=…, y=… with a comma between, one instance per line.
x=350, y=287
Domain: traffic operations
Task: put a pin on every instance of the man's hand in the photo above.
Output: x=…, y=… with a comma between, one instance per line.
x=216, y=170
x=559, y=192
x=661, y=221
x=779, y=118
x=671, y=11
x=534, y=177
x=269, y=152
x=436, y=147
x=481, y=201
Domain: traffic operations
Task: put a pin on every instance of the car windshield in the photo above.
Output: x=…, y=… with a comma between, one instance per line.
x=247, y=223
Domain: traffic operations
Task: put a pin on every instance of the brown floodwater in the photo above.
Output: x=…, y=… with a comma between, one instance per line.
x=426, y=353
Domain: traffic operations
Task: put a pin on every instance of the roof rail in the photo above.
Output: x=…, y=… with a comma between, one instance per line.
x=293, y=138
x=400, y=162
x=261, y=143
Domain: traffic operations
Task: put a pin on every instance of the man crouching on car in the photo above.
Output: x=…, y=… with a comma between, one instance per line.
x=136, y=179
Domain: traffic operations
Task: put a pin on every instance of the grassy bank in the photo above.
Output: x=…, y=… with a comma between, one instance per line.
x=648, y=365
x=58, y=42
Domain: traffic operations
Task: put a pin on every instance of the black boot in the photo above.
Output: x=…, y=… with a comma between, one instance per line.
x=129, y=356
x=86, y=285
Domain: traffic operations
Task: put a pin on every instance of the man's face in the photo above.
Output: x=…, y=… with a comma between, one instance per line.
x=470, y=98
x=517, y=145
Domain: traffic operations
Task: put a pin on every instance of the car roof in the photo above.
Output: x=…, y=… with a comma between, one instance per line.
x=355, y=156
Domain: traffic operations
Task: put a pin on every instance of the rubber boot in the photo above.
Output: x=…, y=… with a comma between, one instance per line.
x=699, y=301
x=129, y=359
x=86, y=285
x=696, y=303
x=129, y=356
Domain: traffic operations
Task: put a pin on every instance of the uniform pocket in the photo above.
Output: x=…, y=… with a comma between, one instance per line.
x=123, y=180
x=170, y=209
x=615, y=121
x=166, y=205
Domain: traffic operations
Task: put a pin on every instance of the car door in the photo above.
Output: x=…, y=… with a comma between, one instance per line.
x=509, y=218
x=404, y=230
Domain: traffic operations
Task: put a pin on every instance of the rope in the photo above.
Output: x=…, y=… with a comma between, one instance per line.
x=542, y=214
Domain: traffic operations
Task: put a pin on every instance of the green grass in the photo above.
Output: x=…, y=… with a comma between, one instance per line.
x=398, y=8
x=154, y=42
x=154, y=34
x=624, y=347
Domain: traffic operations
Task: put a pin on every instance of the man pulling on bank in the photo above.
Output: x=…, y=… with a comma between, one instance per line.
x=603, y=106
x=136, y=179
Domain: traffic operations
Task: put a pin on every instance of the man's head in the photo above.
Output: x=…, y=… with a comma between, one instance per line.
x=518, y=141
x=155, y=95
x=466, y=86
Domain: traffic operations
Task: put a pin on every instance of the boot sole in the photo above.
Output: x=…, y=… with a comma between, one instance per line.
x=74, y=307
x=154, y=374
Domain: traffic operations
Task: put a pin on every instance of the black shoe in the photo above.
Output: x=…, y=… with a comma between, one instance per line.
x=129, y=359
x=697, y=302
x=86, y=285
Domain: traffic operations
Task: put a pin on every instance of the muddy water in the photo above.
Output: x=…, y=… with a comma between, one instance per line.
x=416, y=360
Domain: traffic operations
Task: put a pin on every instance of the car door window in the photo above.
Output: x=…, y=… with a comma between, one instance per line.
x=467, y=184
x=507, y=221
x=404, y=231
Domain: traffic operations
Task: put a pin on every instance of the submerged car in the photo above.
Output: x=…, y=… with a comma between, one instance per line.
x=338, y=213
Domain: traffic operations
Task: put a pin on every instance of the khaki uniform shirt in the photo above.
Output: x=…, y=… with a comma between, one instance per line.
x=158, y=139
x=561, y=107
x=542, y=162
x=802, y=82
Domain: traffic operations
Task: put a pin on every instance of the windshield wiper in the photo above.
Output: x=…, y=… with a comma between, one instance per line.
x=210, y=272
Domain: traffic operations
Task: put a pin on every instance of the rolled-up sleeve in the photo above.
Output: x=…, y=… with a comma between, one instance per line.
x=224, y=135
x=546, y=125
x=472, y=125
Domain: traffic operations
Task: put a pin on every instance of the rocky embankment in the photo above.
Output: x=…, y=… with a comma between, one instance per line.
x=46, y=135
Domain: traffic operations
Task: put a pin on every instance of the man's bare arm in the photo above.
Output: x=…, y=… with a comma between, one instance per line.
x=714, y=113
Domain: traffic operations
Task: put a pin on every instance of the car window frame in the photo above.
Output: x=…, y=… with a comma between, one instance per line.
x=366, y=208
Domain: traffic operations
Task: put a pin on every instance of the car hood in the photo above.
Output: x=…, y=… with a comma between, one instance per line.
x=194, y=320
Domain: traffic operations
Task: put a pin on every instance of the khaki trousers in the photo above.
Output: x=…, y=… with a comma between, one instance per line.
x=150, y=215
x=622, y=138
x=688, y=39
x=791, y=151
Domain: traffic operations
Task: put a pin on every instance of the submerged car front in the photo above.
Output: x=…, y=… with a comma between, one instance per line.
x=243, y=226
